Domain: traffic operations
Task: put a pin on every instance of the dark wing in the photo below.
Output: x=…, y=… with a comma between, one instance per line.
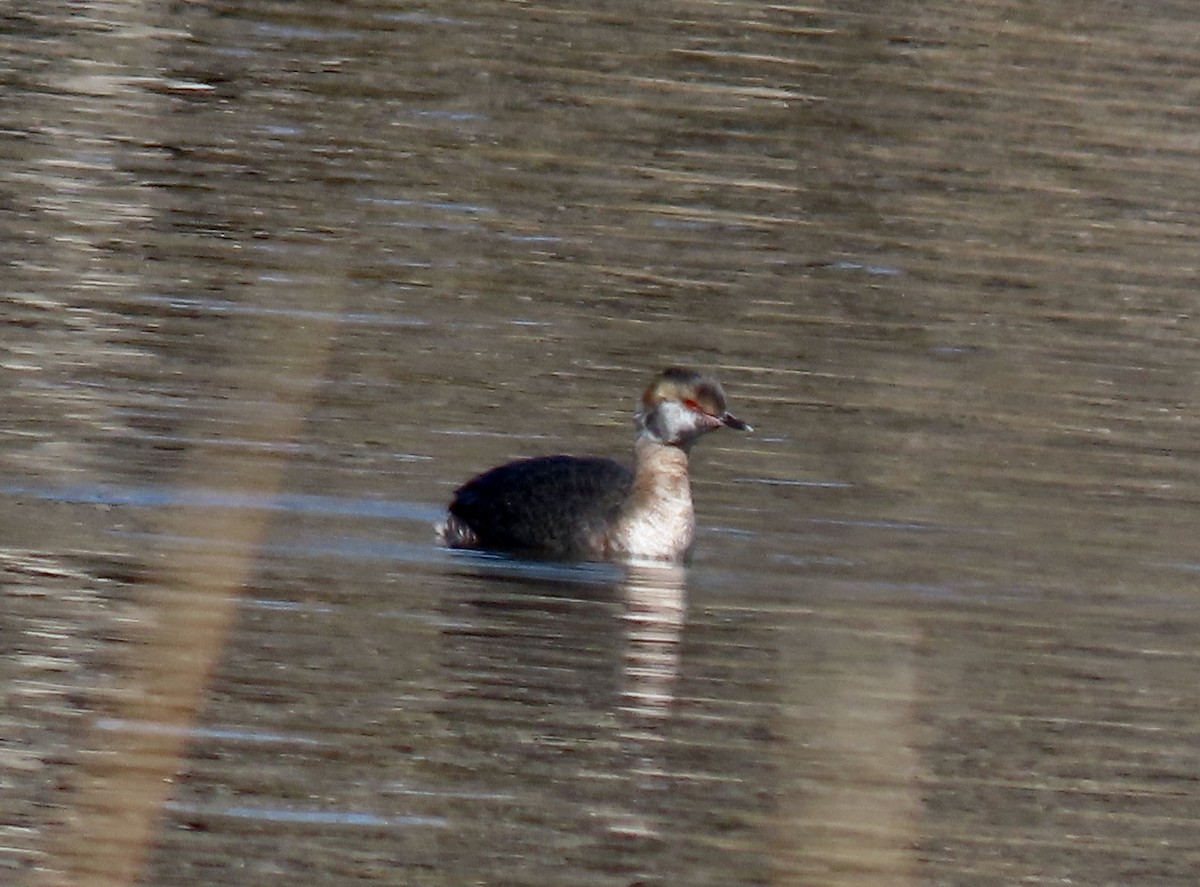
x=553, y=506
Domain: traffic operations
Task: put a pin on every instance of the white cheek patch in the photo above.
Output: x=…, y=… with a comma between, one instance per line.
x=675, y=415
x=673, y=422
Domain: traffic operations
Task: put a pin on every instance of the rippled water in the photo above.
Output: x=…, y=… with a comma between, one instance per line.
x=280, y=276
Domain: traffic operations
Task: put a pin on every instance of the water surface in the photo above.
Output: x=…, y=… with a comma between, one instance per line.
x=281, y=276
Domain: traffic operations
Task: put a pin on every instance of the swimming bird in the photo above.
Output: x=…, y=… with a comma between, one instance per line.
x=591, y=508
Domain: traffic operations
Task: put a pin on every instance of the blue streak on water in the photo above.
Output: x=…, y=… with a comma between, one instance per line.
x=123, y=725
x=162, y=497
x=398, y=789
x=294, y=32
x=877, y=270
x=1184, y=566
x=424, y=18
x=280, y=129
x=284, y=606
x=309, y=817
x=473, y=209
x=533, y=238
x=319, y=547
x=453, y=116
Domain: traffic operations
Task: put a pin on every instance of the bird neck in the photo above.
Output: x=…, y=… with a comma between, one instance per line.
x=661, y=469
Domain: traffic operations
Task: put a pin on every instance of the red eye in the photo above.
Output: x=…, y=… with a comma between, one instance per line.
x=692, y=405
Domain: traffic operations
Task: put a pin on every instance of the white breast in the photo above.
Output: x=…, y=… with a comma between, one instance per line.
x=660, y=529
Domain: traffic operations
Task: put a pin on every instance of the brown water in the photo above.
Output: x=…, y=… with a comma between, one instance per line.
x=279, y=276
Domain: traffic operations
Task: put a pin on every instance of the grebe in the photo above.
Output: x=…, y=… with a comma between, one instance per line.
x=589, y=508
